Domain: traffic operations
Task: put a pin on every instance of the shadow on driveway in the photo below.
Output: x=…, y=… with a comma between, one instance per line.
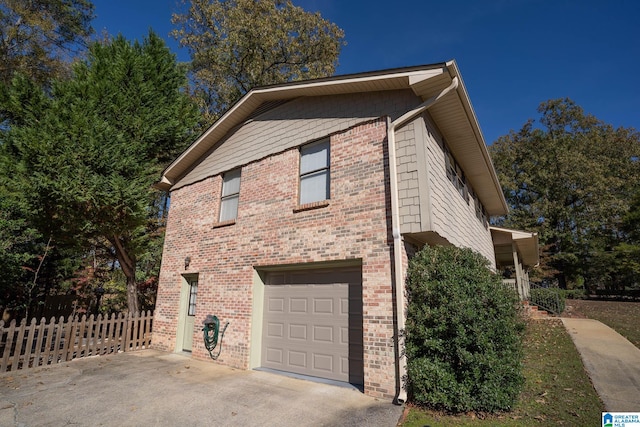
x=151, y=388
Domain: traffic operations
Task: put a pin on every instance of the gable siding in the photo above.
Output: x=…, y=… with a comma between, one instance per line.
x=451, y=216
x=295, y=123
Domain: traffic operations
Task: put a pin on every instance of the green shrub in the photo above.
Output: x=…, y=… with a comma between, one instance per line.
x=463, y=333
x=573, y=293
x=550, y=299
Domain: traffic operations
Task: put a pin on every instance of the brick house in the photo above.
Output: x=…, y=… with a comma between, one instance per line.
x=294, y=215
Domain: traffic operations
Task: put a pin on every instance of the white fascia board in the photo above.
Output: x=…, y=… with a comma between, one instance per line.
x=452, y=66
x=294, y=89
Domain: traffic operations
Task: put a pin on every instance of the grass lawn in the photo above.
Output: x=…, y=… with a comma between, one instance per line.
x=557, y=390
x=622, y=316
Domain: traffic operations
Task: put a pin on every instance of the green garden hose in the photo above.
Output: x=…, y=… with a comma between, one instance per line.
x=212, y=326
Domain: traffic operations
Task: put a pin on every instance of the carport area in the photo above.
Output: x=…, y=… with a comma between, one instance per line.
x=153, y=388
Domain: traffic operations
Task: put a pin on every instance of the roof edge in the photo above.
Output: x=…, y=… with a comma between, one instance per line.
x=258, y=94
x=452, y=66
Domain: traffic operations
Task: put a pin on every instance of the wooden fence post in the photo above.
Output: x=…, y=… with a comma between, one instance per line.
x=47, y=348
x=15, y=363
x=38, y=341
x=59, y=340
x=4, y=365
x=29, y=347
x=41, y=343
x=68, y=338
x=125, y=332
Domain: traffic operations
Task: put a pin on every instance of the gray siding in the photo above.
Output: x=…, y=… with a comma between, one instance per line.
x=451, y=216
x=295, y=123
x=408, y=179
x=428, y=200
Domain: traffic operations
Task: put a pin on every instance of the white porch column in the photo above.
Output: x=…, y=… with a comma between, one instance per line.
x=516, y=264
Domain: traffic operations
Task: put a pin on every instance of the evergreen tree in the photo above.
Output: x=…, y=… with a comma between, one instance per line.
x=86, y=154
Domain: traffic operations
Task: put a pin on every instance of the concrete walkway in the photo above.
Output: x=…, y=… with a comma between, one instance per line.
x=152, y=388
x=613, y=363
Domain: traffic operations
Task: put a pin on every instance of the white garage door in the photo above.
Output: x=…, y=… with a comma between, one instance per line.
x=313, y=324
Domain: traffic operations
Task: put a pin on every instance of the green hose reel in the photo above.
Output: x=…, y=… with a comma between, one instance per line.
x=210, y=333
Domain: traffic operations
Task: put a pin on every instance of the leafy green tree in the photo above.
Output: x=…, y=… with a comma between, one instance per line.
x=569, y=177
x=86, y=156
x=32, y=265
x=236, y=45
x=37, y=37
x=626, y=255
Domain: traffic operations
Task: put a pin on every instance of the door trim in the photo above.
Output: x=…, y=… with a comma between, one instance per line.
x=183, y=308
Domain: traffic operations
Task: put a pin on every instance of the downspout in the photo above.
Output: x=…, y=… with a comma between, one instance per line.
x=401, y=394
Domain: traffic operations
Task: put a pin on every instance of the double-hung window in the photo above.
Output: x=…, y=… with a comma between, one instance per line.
x=314, y=172
x=230, y=195
x=455, y=174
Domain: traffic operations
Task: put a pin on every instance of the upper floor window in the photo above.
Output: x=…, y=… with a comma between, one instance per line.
x=314, y=172
x=455, y=174
x=481, y=213
x=230, y=195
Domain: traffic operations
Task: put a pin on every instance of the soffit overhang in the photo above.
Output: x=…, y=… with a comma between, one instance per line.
x=527, y=246
x=453, y=115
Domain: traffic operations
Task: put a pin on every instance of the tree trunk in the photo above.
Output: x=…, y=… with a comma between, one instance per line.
x=128, y=265
x=132, y=293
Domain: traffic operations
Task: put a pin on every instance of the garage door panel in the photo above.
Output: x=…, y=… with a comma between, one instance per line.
x=323, y=362
x=344, y=306
x=297, y=358
x=297, y=332
x=344, y=336
x=275, y=356
x=323, y=334
x=321, y=313
x=275, y=330
x=298, y=305
x=344, y=366
x=323, y=306
x=276, y=304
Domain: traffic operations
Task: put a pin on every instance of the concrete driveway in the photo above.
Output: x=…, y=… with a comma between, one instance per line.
x=151, y=388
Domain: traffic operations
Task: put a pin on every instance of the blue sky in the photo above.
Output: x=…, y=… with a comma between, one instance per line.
x=513, y=54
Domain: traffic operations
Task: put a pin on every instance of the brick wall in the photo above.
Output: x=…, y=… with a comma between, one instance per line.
x=269, y=231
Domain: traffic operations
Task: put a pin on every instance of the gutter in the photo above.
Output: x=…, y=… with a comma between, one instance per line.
x=401, y=368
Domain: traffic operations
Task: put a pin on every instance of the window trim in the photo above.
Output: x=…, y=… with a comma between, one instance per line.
x=481, y=212
x=224, y=198
x=327, y=168
x=455, y=174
